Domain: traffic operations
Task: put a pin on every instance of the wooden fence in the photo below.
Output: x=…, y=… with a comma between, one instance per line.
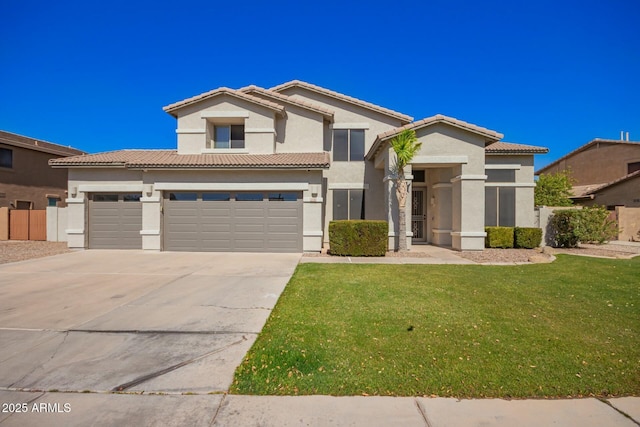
x=27, y=224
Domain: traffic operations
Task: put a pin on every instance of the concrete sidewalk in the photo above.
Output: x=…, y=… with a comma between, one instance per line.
x=420, y=254
x=80, y=409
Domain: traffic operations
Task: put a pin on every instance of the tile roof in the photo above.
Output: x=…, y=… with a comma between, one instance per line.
x=502, y=147
x=584, y=147
x=15, y=140
x=171, y=108
x=288, y=99
x=581, y=191
x=152, y=159
x=342, y=97
x=438, y=118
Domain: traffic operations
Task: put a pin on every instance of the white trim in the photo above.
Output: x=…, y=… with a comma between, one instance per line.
x=224, y=151
x=469, y=178
x=469, y=233
x=317, y=233
x=348, y=186
x=224, y=114
x=152, y=199
x=510, y=184
x=179, y=131
x=149, y=232
x=259, y=130
x=442, y=185
x=116, y=188
x=312, y=199
x=505, y=166
x=74, y=231
x=74, y=201
x=440, y=160
x=363, y=125
x=440, y=231
x=231, y=186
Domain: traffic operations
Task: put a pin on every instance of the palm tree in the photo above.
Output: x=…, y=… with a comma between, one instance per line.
x=406, y=146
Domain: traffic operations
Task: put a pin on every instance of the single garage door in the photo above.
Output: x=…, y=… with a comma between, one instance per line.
x=115, y=221
x=233, y=221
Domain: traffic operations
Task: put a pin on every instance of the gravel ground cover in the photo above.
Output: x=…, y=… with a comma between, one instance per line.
x=18, y=250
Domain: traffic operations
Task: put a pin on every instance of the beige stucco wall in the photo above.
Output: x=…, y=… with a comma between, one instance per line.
x=351, y=175
x=524, y=184
x=628, y=223
x=601, y=163
x=194, y=131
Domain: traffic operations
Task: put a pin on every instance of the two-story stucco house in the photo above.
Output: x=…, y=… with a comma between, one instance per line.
x=262, y=170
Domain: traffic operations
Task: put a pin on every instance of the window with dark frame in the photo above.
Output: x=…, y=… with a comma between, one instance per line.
x=228, y=136
x=500, y=206
x=6, y=158
x=348, y=145
x=348, y=204
x=633, y=167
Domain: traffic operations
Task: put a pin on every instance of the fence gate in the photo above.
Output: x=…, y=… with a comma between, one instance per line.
x=27, y=224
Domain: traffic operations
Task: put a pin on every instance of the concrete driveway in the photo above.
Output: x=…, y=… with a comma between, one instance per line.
x=134, y=321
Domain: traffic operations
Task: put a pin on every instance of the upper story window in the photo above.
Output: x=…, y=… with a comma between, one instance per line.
x=501, y=175
x=6, y=158
x=633, y=167
x=228, y=136
x=348, y=145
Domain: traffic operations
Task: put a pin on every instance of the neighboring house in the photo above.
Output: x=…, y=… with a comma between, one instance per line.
x=26, y=179
x=267, y=170
x=606, y=172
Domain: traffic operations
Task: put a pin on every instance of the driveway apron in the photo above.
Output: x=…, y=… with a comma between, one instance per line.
x=134, y=321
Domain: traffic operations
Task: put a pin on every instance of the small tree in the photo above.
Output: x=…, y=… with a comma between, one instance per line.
x=554, y=189
x=406, y=146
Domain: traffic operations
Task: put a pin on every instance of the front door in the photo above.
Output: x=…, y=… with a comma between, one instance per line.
x=418, y=216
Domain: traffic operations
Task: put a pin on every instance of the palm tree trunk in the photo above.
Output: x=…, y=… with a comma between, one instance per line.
x=401, y=193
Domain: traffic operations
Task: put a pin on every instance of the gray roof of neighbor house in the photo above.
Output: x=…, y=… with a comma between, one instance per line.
x=490, y=135
x=502, y=147
x=15, y=140
x=288, y=99
x=170, y=159
x=585, y=147
x=172, y=108
x=336, y=95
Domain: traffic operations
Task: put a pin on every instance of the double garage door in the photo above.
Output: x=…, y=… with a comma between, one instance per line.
x=233, y=221
x=202, y=221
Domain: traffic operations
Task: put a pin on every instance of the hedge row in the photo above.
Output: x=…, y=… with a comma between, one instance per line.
x=509, y=237
x=358, y=238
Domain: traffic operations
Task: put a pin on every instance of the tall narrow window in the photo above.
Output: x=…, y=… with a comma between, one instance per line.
x=348, y=204
x=500, y=206
x=348, y=145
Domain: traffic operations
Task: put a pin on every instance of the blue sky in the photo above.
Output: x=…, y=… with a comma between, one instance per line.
x=95, y=75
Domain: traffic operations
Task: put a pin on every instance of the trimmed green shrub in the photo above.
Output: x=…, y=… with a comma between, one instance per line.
x=586, y=225
x=358, y=238
x=527, y=238
x=498, y=237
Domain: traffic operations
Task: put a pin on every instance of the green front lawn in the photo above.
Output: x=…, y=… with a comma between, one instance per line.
x=570, y=328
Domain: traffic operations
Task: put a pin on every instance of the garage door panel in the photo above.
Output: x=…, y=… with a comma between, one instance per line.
x=114, y=224
x=282, y=229
x=233, y=225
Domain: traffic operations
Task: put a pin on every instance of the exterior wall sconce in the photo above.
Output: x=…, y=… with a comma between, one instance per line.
x=74, y=192
x=148, y=189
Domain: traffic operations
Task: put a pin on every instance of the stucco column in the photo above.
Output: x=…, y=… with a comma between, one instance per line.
x=76, y=219
x=467, y=231
x=151, y=218
x=312, y=217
